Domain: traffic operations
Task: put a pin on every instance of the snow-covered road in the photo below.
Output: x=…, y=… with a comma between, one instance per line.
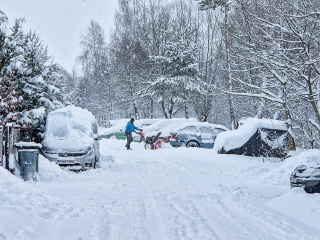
x=164, y=194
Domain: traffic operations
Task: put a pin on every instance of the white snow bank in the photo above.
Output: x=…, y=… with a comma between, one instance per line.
x=299, y=205
x=283, y=173
x=236, y=138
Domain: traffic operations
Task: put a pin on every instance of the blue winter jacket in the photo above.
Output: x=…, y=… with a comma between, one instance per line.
x=131, y=128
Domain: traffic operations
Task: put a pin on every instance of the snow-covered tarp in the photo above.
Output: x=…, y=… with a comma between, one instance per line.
x=271, y=133
x=70, y=128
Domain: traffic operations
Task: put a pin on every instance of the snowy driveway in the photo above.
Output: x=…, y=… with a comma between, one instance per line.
x=165, y=194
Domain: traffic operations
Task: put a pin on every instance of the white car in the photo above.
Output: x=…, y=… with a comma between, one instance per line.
x=71, y=138
x=163, y=125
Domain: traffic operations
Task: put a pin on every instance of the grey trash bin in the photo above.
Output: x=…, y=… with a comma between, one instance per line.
x=28, y=159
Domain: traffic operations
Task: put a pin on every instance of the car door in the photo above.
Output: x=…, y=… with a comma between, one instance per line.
x=187, y=133
x=207, y=137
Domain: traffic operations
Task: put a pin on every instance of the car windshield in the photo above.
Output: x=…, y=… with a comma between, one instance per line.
x=59, y=130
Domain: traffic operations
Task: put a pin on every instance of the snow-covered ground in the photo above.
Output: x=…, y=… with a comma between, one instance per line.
x=162, y=194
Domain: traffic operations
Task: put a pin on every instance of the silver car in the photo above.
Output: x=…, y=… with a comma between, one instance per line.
x=71, y=139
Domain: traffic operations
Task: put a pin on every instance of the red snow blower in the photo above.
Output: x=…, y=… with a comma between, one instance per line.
x=153, y=142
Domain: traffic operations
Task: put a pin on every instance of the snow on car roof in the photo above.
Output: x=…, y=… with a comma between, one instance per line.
x=73, y=124
x=236, y=138
x=165, y=122
x=200, y=124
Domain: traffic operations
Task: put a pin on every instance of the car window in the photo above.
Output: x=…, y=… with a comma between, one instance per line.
x=189, y=129
x=216, y=131
x=206, y=130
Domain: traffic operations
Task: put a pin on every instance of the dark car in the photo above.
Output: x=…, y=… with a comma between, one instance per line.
x=306, y=177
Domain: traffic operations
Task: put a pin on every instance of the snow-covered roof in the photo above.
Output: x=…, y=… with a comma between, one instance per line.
x=236, y=138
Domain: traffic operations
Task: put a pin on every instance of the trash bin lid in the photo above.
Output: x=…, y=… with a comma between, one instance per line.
x=28, y=145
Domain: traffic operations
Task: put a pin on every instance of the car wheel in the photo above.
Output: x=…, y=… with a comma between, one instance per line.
x=112, y=136
x=193, y=144
x=147, y=146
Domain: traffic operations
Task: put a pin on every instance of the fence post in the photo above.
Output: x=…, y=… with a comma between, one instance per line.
x=9, y=143
x=1, y=146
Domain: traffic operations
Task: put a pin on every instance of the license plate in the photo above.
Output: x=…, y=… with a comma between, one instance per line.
x=65, y=161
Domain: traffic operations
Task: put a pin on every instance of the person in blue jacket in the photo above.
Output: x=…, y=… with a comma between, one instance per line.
x=129, y=129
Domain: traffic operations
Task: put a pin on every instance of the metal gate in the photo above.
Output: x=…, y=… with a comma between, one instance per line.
x=8, y=136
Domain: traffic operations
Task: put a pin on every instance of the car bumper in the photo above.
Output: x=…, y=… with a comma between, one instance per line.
x=73, y=163
x=304, y=183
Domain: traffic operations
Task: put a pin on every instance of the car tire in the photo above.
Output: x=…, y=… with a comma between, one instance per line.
x=192, y=144
x=175, y=146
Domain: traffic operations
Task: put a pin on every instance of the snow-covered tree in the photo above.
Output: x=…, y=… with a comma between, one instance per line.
x=178, y=77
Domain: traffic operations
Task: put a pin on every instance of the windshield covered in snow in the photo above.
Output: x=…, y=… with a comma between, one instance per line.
x=190, y=129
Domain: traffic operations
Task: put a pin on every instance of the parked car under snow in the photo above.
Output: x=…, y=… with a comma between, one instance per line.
x=71, y=138
x=196, y=134
x=165, y=126
x=255, y=137
x=306, y=177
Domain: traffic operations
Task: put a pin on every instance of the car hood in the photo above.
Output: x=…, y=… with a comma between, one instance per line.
x=67, y=145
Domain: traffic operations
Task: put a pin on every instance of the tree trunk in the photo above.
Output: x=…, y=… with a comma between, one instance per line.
x=232, y=116
x=164, y=110
x=185, y=105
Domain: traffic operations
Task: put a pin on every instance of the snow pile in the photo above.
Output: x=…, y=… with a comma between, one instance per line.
x=50, y=170
x=283, y=173
x=24, y=209
x=296, y=203
x=299, y=205
x=235, y=139
x=69, y=128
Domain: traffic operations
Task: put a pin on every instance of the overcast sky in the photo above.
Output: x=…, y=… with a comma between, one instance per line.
x=59, y=22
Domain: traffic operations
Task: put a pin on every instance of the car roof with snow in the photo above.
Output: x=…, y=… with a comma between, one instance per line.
x=200, y=124
x=165, y=122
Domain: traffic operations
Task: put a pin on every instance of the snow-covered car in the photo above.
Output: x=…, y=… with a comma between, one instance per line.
x=71, y=138
x=163, y=126
x=306, y=177
x=118, y=131
x=255, y=137
x=197, y=134
x=166, y=132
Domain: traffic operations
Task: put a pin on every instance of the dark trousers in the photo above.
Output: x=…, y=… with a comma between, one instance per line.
x=129, y=139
